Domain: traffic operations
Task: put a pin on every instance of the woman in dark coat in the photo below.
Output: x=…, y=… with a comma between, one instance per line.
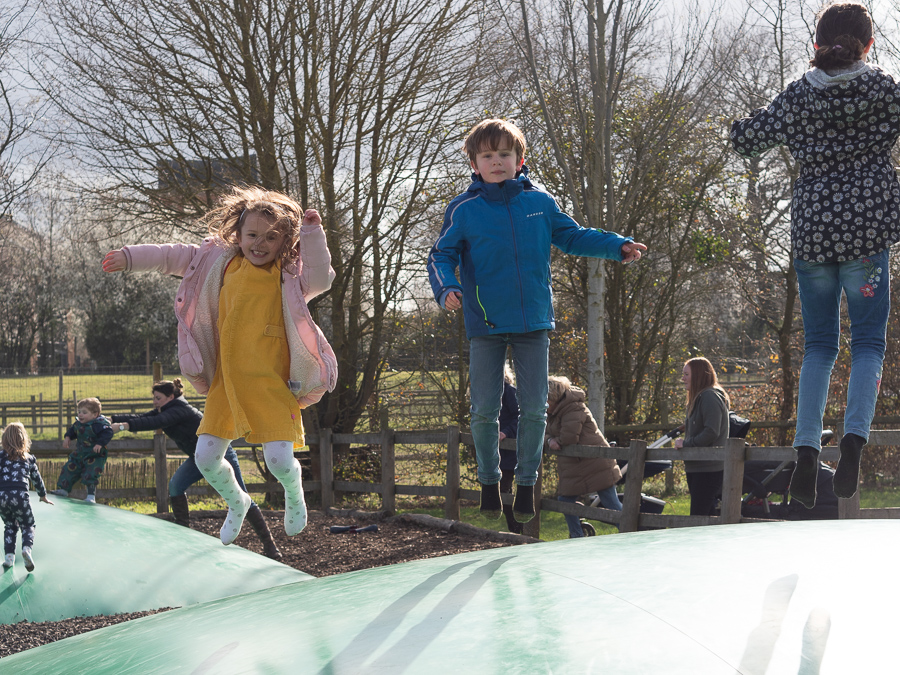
x=706, y=426
x=179, y=420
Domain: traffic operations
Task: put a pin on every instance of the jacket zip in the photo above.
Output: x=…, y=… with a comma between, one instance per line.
x=516, y=257
x=483, y=310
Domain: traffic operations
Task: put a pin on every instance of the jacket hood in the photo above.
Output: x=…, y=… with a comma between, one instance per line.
x=574, y=395
x=504, y=190
x=845, y=97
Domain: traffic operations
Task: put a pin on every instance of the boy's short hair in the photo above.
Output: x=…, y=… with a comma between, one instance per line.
x=491, y=134
x=92, y=404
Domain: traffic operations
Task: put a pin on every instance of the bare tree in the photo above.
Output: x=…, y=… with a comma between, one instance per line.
x=636, y=153
x=22, y=154
x=350, y=105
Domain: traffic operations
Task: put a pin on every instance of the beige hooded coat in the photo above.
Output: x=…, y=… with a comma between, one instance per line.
x=571, y=423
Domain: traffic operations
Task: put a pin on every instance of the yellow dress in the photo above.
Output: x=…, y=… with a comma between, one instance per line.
x=249, y=396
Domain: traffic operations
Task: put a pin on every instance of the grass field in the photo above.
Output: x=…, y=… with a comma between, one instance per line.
x=101, y=385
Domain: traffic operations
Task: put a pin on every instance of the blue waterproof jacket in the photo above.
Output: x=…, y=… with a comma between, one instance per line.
x=499, y=236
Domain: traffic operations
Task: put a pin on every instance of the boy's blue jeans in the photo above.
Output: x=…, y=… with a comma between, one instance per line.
x=187, y=474
x=487, y=355
x=866, y=283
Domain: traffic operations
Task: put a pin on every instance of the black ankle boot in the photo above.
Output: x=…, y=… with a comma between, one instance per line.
x=523, y=504
x=846, y=477
x=180, y=510
x=491, y=504
x=258, y=523
x=803, y=481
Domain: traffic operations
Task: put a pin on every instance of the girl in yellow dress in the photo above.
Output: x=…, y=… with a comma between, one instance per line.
x=246, y=337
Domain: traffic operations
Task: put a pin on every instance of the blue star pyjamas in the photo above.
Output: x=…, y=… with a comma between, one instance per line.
x=15, y=508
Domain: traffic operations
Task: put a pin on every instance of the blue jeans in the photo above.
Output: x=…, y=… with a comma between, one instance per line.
x=487, y=355
x=187, y=474
x=866, y=283
x=609, y=499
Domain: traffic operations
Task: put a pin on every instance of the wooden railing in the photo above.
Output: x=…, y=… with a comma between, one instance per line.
x=629, y=519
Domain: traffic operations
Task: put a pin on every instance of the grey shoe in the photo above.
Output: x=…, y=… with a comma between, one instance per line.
x=26, y=555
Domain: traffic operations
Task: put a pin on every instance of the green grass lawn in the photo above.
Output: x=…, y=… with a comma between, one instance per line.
x=101, y=385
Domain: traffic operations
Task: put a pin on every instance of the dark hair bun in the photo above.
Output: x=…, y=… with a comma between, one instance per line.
x=843, y=31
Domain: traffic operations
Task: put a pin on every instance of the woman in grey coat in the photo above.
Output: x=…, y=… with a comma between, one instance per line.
x=706, y=426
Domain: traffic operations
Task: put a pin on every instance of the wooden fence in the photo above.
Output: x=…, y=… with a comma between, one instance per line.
x=630, y=519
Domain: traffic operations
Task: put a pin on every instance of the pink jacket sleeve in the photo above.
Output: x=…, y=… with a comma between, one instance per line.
x=171, y=259
x=316, y=273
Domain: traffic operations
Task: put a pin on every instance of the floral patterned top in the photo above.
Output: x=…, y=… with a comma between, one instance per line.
x=846, y=202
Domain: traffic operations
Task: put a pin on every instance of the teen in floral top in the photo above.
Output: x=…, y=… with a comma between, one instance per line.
x=839, y=121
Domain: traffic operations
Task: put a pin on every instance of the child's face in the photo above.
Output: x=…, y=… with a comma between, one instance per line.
x=259, y=243
x=85, y=415
x=497, y=165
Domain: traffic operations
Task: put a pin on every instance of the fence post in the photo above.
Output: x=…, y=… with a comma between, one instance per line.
x=161, y=470
x=34, y=428
x=849, y=508
x=634, y=480
x=157, y=371
x=732, y=480
x=326, y=460
x=59, y=422
x=451, y=502
x=388, y=474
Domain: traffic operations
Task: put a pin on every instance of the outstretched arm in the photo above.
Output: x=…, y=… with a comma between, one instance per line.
x=762, y=130
x=632, y=251
x=115, y=261
x=316, y=273
x=174, y=259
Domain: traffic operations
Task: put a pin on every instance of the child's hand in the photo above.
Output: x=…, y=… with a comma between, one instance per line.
x=502, y=436
x=311, y=217
x=453, y=301
x=97, y=449
x=115, y=261
x=66, y=443
x=554, y=444
x=631, y=251
x=46, y=501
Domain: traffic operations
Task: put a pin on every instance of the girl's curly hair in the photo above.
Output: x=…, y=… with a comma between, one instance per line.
x=286, y=214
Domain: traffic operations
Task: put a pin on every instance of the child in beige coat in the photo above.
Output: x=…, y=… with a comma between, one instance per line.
x=570, y=422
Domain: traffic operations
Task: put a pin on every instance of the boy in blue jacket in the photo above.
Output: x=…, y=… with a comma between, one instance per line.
x=498, y=234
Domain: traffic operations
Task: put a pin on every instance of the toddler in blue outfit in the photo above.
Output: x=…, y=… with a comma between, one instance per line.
x=17, y=465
